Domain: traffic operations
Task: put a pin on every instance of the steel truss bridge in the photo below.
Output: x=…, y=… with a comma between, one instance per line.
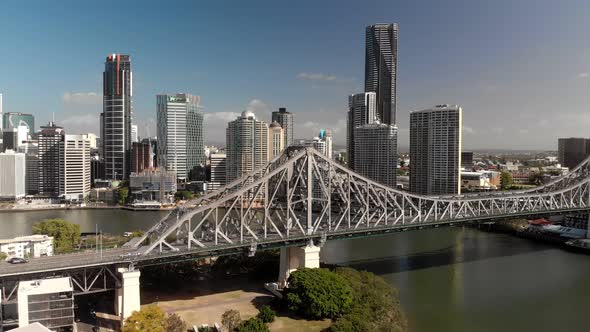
x=299, y=196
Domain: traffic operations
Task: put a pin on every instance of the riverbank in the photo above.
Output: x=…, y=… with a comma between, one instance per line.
x=67, y=208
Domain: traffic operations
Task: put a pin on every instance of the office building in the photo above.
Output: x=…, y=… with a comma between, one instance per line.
x=153, y=185
x=141, y=156
x=285, y=119
x=217, y=171
x=75, y=182
x=180, y=133
x=571, y=151
x=361, y=111
x=51, y=140
x=153, y=142
x=16, y=119
x=134, y=134
x=467, y=159
x=381, y=69
x=435, y=150
x=93, y=139
x=12, y=175
x=27, y=246
x=49, y=302
x=276, y=139
x=246, y=145
x=326, y=136
x=31, y=151
x=1, y=115
x=376, y=152
x=10, y=139
x=116, y=116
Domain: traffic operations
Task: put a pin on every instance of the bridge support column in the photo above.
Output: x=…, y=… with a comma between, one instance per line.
x=127, y=299
x=293, y=258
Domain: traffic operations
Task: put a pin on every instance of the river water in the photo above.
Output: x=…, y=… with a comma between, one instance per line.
x=450, y=279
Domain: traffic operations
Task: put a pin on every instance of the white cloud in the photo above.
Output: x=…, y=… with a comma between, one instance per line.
x=257, y=106
x=468, y=130
x=80, y=123
x=84, y=98
x=316, y=77
x=583, y=75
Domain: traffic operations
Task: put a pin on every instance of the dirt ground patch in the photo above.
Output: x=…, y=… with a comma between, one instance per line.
x=204, y=303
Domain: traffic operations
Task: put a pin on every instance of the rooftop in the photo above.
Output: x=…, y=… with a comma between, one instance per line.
x=29, y=238
x=440, y=107
x=45, y=286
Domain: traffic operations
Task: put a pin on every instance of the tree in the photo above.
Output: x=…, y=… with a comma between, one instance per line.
x=536, y=178
x=149, y=318
x=505, y=180
x=65, y=234
x=253, y=324
x=266, y=314
x=3, y=256
x=231, y=319
x=123, y=194
x=318, y=294
x=175, y=324
x=183, y=195
x=376, y=305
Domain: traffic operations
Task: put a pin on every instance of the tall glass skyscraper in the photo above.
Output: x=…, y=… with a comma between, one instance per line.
x=381, y=68
x=435, y=150
x=16, y=119
x=180, y=133
x=285, y=119
x=361, y=111
x=246, y=145
x=116, y=116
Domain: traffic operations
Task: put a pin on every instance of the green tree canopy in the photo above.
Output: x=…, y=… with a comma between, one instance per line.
x=65, y=234
x=266, y=314
x=318, y=294
x=123, y=194
x=376, y=305
x=149, y=318
x=3, y=256
x=505, y=180
x=253, y=324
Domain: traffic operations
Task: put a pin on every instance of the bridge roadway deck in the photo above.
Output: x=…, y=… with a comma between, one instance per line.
x=125, y=255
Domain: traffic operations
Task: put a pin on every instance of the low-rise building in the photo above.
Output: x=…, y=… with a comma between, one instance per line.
x=153, y=185
x=482, y=180
x=27, y=246
x=49, y=302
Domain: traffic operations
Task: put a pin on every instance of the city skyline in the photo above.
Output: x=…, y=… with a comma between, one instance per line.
x=497, y=73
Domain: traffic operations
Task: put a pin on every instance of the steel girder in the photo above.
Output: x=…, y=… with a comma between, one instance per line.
x=85, y=281
x=303, y=193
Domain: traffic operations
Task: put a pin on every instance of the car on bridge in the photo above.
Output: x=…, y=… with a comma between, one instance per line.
x=17, y=260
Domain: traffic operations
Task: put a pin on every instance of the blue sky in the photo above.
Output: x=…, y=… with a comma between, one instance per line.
x=520, y=69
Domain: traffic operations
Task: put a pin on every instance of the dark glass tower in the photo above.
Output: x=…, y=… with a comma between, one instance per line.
x=381, y=68
x=51, y=159
x=116, y=117
x=285, y=119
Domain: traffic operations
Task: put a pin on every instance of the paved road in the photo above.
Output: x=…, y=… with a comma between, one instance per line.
x=66, y=261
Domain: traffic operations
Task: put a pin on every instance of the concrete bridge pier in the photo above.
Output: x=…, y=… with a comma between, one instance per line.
x=127, y=299
x=293, y=258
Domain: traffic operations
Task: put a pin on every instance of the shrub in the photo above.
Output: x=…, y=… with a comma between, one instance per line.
x=149, y=318
x=3, y=256
x=266, y=314
x=318, y=294
x=253, y=324
x=175, y=324
x=231, y=319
